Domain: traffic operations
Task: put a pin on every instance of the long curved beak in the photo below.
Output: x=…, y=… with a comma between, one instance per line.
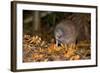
x=58, y=42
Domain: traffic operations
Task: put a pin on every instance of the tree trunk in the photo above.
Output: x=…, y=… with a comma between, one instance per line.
x=36, y=21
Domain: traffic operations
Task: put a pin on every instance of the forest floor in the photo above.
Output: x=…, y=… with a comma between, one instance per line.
x=35, y=49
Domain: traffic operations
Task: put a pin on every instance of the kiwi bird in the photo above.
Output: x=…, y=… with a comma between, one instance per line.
x=65, y=32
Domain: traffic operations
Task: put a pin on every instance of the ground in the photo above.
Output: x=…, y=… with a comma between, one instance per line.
x=35, y=49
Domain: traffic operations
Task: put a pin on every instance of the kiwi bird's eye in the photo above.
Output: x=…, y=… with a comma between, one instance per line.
x=59, y=36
